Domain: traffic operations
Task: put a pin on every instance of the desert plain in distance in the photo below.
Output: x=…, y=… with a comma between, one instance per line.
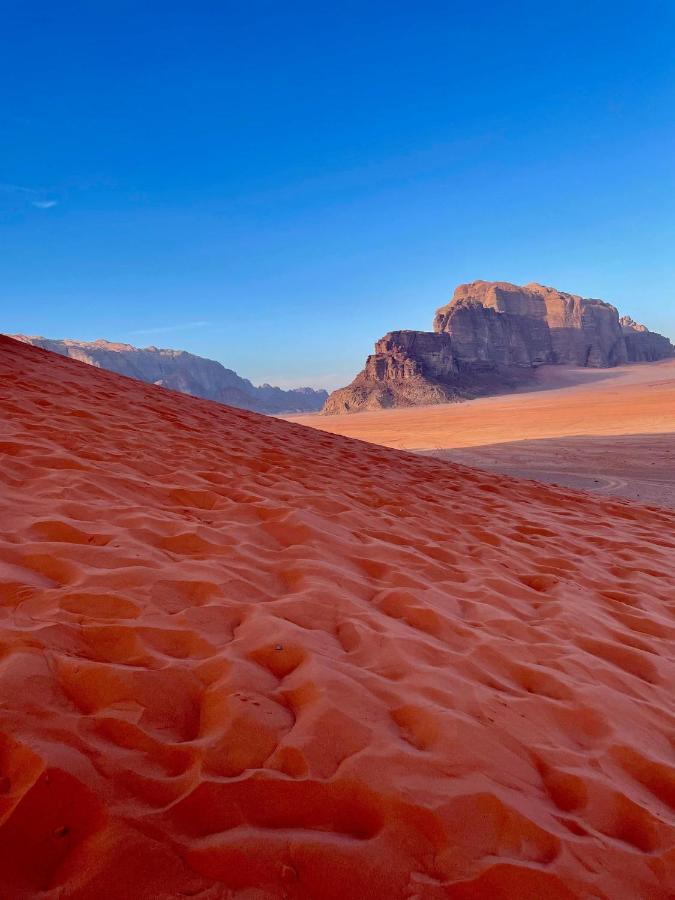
x=611, y=431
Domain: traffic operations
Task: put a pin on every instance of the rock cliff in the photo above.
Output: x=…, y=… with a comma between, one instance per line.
x=488, y=339
x=414, y=368
x=511, y=325
x=184, y=372
x=644, y=345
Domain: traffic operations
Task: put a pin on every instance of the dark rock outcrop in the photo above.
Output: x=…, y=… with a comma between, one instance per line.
x=184, y=372
x=642, y=344
x=415, y=368
x=488, y=339
x=408, y=368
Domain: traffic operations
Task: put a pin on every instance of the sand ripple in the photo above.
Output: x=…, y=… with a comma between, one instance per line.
x=241, y=658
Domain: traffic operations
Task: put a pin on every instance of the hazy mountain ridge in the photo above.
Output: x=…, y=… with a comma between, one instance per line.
x=184, y=372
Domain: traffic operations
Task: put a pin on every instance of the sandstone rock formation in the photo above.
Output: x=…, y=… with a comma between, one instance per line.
x=644, y=345
x=488, y=339
x=184, y=372
x=511, y=325
x=414, y=368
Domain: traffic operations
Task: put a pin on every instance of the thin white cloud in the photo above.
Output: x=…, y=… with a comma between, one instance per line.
x=17, y=193
x=165, y=329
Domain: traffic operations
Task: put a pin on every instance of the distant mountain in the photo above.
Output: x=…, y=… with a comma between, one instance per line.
x=488, y=339
x=185, y=372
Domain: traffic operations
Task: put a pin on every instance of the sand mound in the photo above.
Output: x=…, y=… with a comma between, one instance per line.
x=242, y=658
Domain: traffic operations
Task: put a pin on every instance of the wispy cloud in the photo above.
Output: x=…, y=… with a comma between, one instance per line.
x=16, y=189
x=16, y=193
x=165, y=329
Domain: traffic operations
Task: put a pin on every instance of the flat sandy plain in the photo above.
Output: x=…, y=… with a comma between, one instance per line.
x=244, y=659
x=609, y=430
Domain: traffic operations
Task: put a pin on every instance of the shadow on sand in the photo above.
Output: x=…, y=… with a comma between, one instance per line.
x=634, y=466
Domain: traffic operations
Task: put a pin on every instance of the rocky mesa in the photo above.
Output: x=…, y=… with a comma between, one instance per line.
x=184, y=372
x=489, y=339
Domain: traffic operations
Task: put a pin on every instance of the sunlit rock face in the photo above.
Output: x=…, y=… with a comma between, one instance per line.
x=512, y=325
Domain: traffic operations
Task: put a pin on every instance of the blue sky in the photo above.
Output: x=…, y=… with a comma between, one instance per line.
x=277, y=184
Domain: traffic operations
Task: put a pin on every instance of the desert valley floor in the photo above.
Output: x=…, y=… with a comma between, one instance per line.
x=605, y=430
x=243, y=658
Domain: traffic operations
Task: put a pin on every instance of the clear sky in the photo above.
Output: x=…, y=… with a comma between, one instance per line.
x=277, y=184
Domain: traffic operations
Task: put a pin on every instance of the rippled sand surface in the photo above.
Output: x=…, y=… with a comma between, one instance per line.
x=242, y=658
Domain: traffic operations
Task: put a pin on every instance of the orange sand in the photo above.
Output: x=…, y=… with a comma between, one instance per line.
x=246, y=659
x=610, y=430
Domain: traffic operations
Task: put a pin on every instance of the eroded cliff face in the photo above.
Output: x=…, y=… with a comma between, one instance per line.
x=406, y=354
x=184, y=372
x=642, y=344
x=530, y=325
x=416, y=368
x=488, y=339
x=408, y=368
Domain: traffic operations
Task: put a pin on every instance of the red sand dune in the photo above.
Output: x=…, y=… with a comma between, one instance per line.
x=241, y=658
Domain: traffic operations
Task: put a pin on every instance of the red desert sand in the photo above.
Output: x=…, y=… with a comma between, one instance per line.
x=606, y=430
x=242, y=658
